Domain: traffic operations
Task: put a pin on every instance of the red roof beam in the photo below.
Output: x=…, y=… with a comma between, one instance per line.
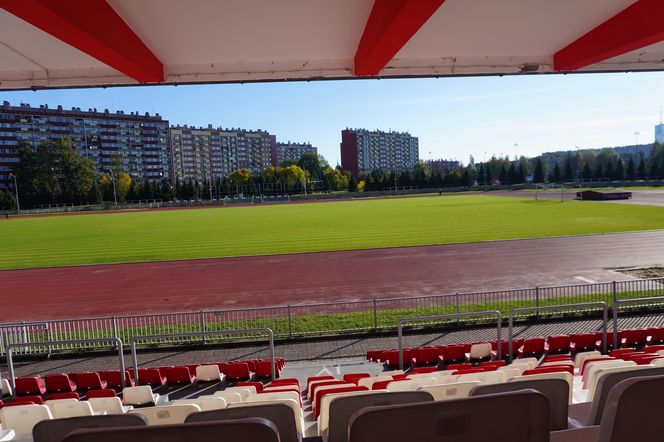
x=636, y=26
x=93, y=27
x=391, y=24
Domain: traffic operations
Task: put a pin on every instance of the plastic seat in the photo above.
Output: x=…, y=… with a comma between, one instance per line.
x=313, y=385
x=470, y=419
x=5, y=388
x=354, y=378
x=33, y=399
x=285, y=381
x=423, y=370
x=293, y=388
x=557, y=344
x=446, y=392
x=56, y=430
x=209, y=373
x=205, y=403
x=59, y=383
x=238, y=371
x=151, y=376
x=312, y=379
x=249, y=430
x=341, y=409
x=634, y=338
x=655, y=336
x=33, y=385
x=114, y=379
x=109, y=405
x=487, y=377
x=139, y=395
x=370, y=381
x=557, y=392
x=532, y=346
x=107, y=392
x=244, y=391
x=411, y=384
x=581, y=342
x=23, y=418
x=550, y=369
x=229, y=397
x=62, y=409
x=179, y=375
x=166, y=415
x=479, y=352
x=423, y=356
x=281, y=395
x=68, y=395
x=257, y=385
x=454, y=353
x=264, y=369
x=89, y=381
x=323, y=392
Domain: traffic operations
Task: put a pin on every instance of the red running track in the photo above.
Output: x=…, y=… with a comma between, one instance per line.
x=69, y=292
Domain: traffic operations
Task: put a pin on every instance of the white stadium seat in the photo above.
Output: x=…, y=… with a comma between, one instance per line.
x=450, y=391
x=229, y=397
x=205, y=403
x=22, y=418
x=139, y=395
x=110, y=405
x=64, y=408
x=167, y=414
x=209, y=373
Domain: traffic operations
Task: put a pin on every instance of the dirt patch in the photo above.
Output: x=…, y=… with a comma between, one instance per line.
x=644, y=272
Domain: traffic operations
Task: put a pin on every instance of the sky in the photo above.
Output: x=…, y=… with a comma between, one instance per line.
x=452, y=117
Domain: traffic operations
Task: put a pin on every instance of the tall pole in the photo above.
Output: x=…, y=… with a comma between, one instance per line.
x=636, y=136
x=115, y=195
x=18, y=205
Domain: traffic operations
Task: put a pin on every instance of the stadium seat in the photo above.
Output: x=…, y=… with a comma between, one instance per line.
x=114, y=379
x=655, y=336
x=532, y=346
x=285, y=381
x=653, y=348
x=549, y=369
x=23, y=418
x=179, y=375
x=33, y=385
x=238, y=371
x=56, y=430
x=246, y=430
x=314, y=384
x=411, y=384
x=370, y=381
x=106, y=392
x=89, y=381
x=139, y=395
x=454, y=353
x=109, y=405
x=479, y=352
x=445, y=392
x=561, y=375
x=460, y=418
x=486, y=377
x=557, y=344
x=423, y=356
x=264, y=369
x=634, y=338
x=166, y=415
x=581, y=342
x=5, y=388
x=229, y=397
x=617, y=353
x=275, y=397
x=557, y=358
x=209, y=373
x=592, y=359
x=354, y=378
x=163, y=370
x=423, y=370
x=151, y=376
x=281, y=388
x=67, y=408
x=320, y=394
x=319, y=378
x=205, y=403
x=244, y=391
x=462, y=366
x=281, y=415
x=69, y=395
x=59, y=383
x=341, y=409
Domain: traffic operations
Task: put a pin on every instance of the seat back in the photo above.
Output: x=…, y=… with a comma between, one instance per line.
x=167, y=415
x=281, y=415
x=580, y=357
x=229, y=397
x=205, y=403
x=411, y=384
x=56, y=430
x=480, y=351
x=242, y=391
x=246, y=430
x=555, y=390
x=22, y=418
x=139, y=395
x=447, y=392
x=634, y=411
x=368, y=382
x=273, y=396
x=471, y=419
x=607, y=381
x=487, y=377
x=109, y=405
x=5, y=388
x=593, y=368
x=565, y=376
x=208, y=373
x=342, y=409
x=592, y=387
x=70, y=408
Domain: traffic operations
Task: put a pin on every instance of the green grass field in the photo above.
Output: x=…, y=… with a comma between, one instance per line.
x=290, y=228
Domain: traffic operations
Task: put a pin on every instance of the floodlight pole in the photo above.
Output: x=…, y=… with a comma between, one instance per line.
x=115, y=195
x=18, y=205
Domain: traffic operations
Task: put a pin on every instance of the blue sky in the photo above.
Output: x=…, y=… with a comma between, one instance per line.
x=453, y=117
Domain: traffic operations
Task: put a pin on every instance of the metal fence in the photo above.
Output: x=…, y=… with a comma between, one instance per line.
x=329, y=318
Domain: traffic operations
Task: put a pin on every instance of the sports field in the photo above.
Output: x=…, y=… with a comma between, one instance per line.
x=290, y=228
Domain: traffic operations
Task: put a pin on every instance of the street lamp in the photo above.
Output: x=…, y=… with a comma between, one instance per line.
x=18, y=206
x=115, y=195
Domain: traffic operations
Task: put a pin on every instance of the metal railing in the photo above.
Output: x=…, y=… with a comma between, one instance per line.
x=136, y=339
x=496, y=313
x=116, y=341
x=328, y=318
x=625, y=302
x=584, y=305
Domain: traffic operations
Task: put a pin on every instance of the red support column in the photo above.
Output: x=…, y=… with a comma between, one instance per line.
x=391, y=24
x=93, y=27
x=637, y=26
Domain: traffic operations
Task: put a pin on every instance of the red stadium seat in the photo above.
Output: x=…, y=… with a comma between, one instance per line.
x=192, y=368
x=556, y=358
x=89, y=380
x=258, y=385
x=582, y=342
x=634, y=338
x=179, y=375
x=645, y=358
x=318, y=378
x=462, y=366
x=504, y=348
x=30, y=386
x=21, y=401
x=454, y=353
x=107, y=392
x=151, y=377
x=496, y=364
x=264, y=369
x=550, y=369
x=392, y=356
x=114, y=380
x=532, y=346
x=422, y=370
x=28, y=399
x=618, y=353
x=473, y=370
x=238, y=370
x=656, y=335
x=557, y=344
x=653, y=348
x=423, y=356
x=325, y=383
x=58, y=383
x=354, y=378
x=163, y=370
x=66, y=395
x=320, y=394
x=588, y=361
x=222, y=366
x=285, y=381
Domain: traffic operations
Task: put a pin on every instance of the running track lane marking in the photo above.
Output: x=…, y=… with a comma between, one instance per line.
x=588, y=280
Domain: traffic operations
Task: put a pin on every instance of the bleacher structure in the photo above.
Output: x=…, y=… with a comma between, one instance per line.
x=562, y=388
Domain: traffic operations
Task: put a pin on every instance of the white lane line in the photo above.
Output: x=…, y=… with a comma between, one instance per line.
x=584, y=279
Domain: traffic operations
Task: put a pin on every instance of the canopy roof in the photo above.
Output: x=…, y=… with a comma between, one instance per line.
x=71, y=43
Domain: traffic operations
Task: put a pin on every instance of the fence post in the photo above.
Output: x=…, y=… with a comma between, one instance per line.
x=115, y=327
x=537, y=301
x=458, y=307
x=290, y=322
x=614, y=310
x=375, y=315
x=202, y=324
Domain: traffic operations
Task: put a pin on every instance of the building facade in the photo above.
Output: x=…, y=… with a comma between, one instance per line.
x=364, y=151
x=136, y=143
x=442, y=166
x=659, y=133
x=209, y=153
x=289, y=151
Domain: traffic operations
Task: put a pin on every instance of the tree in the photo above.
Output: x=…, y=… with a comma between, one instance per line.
x=619, y=173
x=587, y=172
x=336, y=179
x=631, y=169
x=538, y=175
x=314, y=164
x=569, y=168
x=122, y=184
x=240, y=177
x=293, y=174
x=556, y=174
x=642, y=172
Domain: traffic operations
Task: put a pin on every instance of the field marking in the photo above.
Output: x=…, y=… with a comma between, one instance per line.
x=588, y=280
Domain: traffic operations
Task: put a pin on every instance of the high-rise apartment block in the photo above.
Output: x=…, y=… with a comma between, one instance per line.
x=363, y=150
x=203, y=153
x=136, y=143
x=289, y=151
x=659, y=133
